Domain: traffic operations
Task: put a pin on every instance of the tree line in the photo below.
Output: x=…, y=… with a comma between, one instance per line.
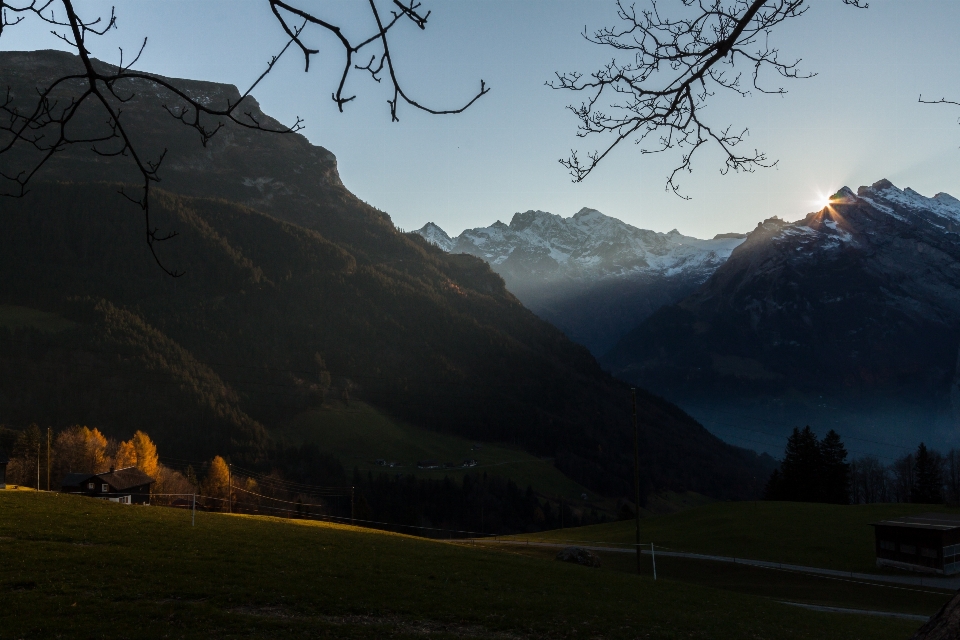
x=926, y=476
x=42, y=461
x=816, y=470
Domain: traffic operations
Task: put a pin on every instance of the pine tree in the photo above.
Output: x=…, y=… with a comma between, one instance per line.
x=835, y=477
x=774, y=488
x=928, y=477
x=802, y=463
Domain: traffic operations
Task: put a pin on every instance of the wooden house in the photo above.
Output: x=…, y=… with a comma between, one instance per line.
x=126, y=486
x=929, y=542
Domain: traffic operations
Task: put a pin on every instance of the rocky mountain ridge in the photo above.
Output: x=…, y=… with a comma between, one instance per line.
x=592, y=275
x=847, y=318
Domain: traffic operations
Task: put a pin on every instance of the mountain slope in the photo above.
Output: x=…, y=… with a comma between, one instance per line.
x=849, y=318
x=593, y=276
x=287, y=286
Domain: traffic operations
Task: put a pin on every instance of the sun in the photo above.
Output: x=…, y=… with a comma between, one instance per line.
x=822, y=201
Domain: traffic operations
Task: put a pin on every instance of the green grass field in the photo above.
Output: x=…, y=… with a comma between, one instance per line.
x=13, y=317
x=816, y=535
x=74, y=567
x=784, y=586
x=358, y=434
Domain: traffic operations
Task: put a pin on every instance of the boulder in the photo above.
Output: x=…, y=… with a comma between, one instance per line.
x=579, y=555
x=943, y=626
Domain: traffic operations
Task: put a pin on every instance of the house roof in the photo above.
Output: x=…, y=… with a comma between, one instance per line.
x=75, y=479
x=121, y=479
x=930, y=521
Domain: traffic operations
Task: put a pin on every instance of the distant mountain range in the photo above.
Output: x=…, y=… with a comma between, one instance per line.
x=593, y=276
x=846, y=319
x=291, y=283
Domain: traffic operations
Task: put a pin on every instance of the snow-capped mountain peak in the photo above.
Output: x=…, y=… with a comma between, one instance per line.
x=942, y=210
x=592, y=275
x=588, y=245
x=435, y=235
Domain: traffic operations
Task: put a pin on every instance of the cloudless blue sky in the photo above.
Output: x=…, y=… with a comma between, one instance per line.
x=858, y=121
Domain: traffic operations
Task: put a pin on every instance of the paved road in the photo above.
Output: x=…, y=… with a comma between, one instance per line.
x=951, y=584
x=863, y=612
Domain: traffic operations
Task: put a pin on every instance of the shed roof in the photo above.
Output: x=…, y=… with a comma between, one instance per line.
x=932, y=521
x=75, y=479
x=122, y=479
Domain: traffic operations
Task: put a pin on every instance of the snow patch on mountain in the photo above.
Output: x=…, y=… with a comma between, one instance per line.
x=586, y=246
x=885, y=195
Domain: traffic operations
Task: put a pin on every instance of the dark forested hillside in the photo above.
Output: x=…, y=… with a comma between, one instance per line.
x=303, y=292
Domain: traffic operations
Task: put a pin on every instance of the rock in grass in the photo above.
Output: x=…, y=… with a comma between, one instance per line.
x=579, y=555
x=943, y=626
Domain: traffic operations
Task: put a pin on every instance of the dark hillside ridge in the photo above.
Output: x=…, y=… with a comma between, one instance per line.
x=277, y=277
x=849, y=318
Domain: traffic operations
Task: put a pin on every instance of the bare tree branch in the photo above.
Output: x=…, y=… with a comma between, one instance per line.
x=50, y=126
x=667, y=68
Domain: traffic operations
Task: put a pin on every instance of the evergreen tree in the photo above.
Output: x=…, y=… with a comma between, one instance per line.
x=928, y=477
x=774, y=488
x=801, y=467
x=835, y=477
x=812, y=470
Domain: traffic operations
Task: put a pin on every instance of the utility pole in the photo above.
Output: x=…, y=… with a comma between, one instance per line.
x=38, y=466
x=230, y=491
x=49, y=434
x=636, y=471
x=351, y=507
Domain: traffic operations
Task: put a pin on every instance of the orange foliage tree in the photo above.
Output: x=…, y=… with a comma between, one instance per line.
x=217, y=482
x=146, y=454
x=81, y=450
x=126, y=455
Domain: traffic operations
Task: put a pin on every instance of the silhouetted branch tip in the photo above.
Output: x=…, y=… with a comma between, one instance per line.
x=673, y=65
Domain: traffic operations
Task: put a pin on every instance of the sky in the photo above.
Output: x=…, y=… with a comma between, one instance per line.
x=856, y=122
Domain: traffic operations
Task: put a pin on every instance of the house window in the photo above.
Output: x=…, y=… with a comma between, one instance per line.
x=90, y=486
x=888, y=545
x=106, y=488
x=928, y=553
x=908, y=548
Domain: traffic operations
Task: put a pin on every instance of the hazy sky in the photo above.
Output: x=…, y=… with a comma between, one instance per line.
x=858, y=121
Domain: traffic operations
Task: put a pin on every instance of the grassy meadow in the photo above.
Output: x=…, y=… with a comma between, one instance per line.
x=359, y=435
x=13, y=317
x=74, y=567
x=817, y=535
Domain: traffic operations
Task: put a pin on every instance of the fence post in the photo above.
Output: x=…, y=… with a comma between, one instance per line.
x=653, y=556
x=193, y=512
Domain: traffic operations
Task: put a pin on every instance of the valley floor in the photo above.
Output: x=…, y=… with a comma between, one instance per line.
x=75, y=567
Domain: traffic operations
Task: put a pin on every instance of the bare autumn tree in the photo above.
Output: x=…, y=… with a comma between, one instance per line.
x=670, y=59
x=45, y=127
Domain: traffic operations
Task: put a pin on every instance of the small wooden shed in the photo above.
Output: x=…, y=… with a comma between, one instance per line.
x=127, y=486
x=929, y=542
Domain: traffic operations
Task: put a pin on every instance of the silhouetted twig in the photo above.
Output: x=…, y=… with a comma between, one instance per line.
x=667, y=69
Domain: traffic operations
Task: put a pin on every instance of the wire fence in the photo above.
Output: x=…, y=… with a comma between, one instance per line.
x=302, y=511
